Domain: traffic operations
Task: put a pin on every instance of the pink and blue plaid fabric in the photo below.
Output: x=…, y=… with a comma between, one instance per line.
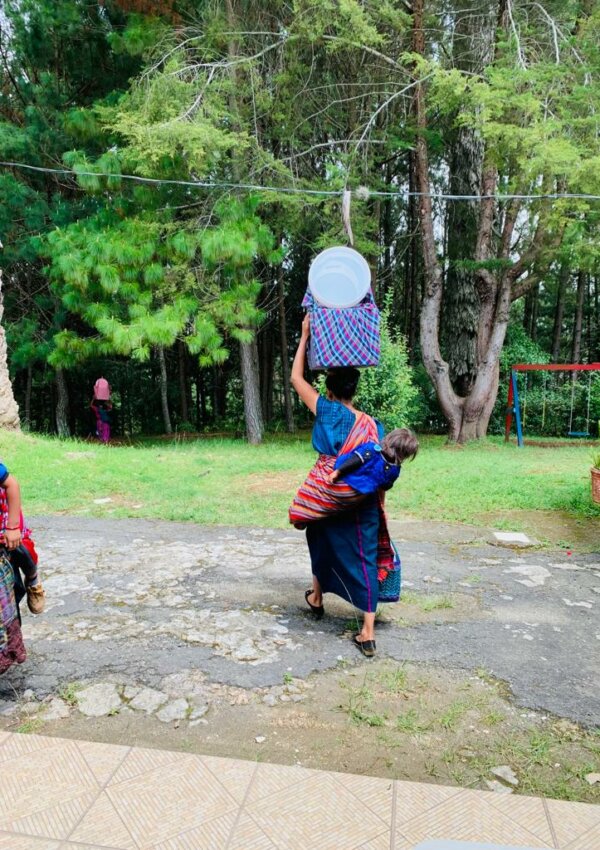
x=346, y=336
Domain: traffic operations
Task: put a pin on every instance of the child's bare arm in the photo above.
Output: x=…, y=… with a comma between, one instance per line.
x=12, y=534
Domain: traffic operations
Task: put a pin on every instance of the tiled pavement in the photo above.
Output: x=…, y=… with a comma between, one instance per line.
x=58, y=794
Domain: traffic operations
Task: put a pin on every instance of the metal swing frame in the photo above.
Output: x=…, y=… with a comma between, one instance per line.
x=513, y=405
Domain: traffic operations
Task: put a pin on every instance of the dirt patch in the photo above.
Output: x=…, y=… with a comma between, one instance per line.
x=382, y=719
x=417, y=608
x=554, y=527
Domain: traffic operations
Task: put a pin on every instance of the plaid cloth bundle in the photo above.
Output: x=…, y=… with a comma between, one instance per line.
x=343, y=336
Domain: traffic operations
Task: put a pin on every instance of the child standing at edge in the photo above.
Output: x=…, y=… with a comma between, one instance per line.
x=16, y=537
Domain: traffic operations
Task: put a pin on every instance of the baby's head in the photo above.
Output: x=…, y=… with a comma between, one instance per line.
x=400, y=445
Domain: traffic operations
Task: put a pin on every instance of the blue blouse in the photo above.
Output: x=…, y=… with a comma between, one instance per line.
x=333, y=424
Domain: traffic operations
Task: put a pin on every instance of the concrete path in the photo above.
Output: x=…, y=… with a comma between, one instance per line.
x=147, y=614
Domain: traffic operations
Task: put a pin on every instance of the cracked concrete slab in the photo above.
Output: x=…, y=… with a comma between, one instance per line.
x=199, y=614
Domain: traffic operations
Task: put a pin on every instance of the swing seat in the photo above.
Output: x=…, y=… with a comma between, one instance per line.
x=578, y=434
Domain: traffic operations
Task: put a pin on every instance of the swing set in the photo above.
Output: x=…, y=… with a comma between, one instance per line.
x=516, y=410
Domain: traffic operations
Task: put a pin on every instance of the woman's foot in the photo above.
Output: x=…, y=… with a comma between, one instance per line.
x=366, y=646
x=317, y=610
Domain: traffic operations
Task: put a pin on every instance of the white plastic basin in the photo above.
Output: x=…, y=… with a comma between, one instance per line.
x=339, y=277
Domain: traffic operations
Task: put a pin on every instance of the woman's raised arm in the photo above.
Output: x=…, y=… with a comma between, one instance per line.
x=306, y=391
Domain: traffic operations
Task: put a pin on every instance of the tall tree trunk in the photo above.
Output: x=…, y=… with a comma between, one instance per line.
x=596, y=355
x=28, y=394
x=164, y=384
x=467, y=416
x=559, y=310
x=9, y=410
x=534, y=296
x=252, y=405
x=578, y=321
x=183, y=381
x=266, y=354
x=248, y=350
x=472, y=50
x=283, y=342
x=62, y=404
x=412, y=279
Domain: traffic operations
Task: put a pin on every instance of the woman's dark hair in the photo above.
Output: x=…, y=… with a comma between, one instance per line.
x=342, y=382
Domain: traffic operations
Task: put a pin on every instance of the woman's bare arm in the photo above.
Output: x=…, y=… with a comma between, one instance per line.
x=306, y=391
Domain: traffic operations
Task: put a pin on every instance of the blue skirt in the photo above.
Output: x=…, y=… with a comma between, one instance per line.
x=343, y=554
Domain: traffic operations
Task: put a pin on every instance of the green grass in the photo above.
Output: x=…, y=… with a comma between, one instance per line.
x=228, y=482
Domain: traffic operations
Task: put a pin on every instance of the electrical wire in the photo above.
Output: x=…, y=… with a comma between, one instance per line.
x=363, y=193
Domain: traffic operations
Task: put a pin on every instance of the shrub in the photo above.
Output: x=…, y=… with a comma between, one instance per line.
x=388, y=391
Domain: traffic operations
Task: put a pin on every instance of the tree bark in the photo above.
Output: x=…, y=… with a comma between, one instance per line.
x=437, y=368
x=559, y=310
x=472, y=49
x=252, y=405
x=183, y=381
x=62, y=404
x=9, y=410
x=248, y=350
x=578, y=321
x=468, y=415
x=28, y=394
x=266, y=355
x=164, y=383
x=596, y=355
x=283, y=342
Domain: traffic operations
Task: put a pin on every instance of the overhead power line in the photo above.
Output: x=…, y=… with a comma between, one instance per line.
x=362, y=193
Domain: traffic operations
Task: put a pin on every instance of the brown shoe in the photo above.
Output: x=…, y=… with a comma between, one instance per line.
x=36, y=598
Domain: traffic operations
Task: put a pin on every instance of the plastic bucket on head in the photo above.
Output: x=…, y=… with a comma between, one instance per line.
x=339, y=277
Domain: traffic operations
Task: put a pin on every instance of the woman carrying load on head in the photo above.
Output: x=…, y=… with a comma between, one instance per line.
x=351, y=549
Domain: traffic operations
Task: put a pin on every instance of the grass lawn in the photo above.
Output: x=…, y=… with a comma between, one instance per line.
x=228, y=482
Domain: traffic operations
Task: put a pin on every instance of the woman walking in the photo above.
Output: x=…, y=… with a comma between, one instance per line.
x=350, y=550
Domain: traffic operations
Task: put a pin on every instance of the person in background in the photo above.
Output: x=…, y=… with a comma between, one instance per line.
x=16, y=538
x=102, y=411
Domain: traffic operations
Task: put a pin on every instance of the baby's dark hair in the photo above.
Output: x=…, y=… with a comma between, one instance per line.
x=400, y=445
x=342, y=382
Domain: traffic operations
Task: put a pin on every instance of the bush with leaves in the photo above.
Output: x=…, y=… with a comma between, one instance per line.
x=387, y=392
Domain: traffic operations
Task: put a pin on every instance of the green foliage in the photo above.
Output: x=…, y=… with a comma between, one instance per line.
x=388, y=392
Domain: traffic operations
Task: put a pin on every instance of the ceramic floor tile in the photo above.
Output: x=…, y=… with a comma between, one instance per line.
x=382, y=842
x=103, y=759
x=19, y=745
x=140, y=760
x=587, y=841
x=233, y=774
x=102, y=825
x=212, y=835
x=26, y=842
x=65, y=773
x=469, y=816
x=169, y=800
x=69, y=845
x=415, y=798
x=376, y=793
x=528, y=812
x=317, y=812
x=249, y=836
x=572, y=820
x=271, y=778
x=56, y=821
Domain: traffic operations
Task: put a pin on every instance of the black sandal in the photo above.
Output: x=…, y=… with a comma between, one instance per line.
x=367, y=647
x=317, y=610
